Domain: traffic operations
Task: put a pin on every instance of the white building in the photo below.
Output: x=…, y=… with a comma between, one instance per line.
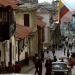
x=44, y=11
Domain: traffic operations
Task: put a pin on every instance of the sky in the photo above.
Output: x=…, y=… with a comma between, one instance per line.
x=69, y=3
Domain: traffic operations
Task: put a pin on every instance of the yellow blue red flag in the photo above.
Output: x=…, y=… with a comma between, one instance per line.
x=62, y=9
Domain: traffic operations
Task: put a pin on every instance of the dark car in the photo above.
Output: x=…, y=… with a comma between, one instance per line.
x=60, y=68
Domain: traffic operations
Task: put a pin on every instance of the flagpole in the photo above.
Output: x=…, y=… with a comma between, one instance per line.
x=59, y=12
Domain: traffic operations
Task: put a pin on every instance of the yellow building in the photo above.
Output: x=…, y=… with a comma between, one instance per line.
x=25, y=16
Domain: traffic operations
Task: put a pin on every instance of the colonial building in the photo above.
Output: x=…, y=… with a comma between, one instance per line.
x=44, y=11
x=26, y=31
x=40, y=26
x=7, y=30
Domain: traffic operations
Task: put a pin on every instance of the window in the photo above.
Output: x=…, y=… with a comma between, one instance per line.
x=3, y=16
x=26, y=19
x=6, y=14
x=7, y=24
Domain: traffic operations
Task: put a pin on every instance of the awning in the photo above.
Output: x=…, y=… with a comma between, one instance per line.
x=12, y=3
x=40, y=23
x=22, y=31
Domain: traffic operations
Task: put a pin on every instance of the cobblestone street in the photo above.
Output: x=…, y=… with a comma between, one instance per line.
x=58, y=53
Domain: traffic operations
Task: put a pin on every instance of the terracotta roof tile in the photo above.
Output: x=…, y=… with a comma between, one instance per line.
x=39, y=17
x=39, y=21
x=22, y=31
x=12, y=3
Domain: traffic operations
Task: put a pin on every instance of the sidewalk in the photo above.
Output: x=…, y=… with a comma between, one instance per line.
x=27, y=68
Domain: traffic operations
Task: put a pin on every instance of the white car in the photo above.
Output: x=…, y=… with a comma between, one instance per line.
x=60, y=68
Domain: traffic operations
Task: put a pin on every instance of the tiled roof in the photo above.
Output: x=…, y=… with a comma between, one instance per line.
x=39, y=21
x=12, y=3
x=22, y=31
x=39, y=17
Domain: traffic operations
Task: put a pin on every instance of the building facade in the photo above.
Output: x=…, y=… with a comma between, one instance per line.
x=26, y=16
x=7, y=30
x=44, y=11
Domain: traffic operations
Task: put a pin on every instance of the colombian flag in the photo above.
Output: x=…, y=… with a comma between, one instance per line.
x=62, y=9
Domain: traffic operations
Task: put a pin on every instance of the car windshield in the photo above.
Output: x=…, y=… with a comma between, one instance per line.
x=59, y=66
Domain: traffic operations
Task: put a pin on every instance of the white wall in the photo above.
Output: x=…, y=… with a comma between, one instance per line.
x=46, y=20
x=66, y=18
x=13, y=49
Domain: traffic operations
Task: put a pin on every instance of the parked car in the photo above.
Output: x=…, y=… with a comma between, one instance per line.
x=60, y=68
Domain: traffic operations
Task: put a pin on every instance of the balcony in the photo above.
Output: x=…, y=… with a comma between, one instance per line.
x=28, y=7
x=30, y=1
x=6, y=30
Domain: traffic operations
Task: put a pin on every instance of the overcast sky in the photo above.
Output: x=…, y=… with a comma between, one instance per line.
x=68, y=3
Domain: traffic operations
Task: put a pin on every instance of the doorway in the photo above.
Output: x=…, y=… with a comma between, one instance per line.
x=10, y=53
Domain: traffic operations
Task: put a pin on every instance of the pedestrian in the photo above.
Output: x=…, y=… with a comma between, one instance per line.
x=40, y=66
x=68, y=53
x=36, y=66
x=42, y=55
x=17, y=67
x=3, y=67
x=64, y=50
x=10, y=68
x=70, y=46
x=66, y=41
x=48, y=66
x=47, y=51
x=35, y=57
x=53, y=51
x=55, y=59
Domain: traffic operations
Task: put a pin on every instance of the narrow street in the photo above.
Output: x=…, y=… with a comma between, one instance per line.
x=58, y=53
x=28, y=28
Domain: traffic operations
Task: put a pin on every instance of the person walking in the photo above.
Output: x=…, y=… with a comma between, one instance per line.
x=70, y=46
x=64, y=50
x=42, y=55
x=36, y=66
x=17, y=67
x=55, y=59
x=40, y=66
x=68, y=54
x=48, y=66
x=53, y=51
x=10, y=68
